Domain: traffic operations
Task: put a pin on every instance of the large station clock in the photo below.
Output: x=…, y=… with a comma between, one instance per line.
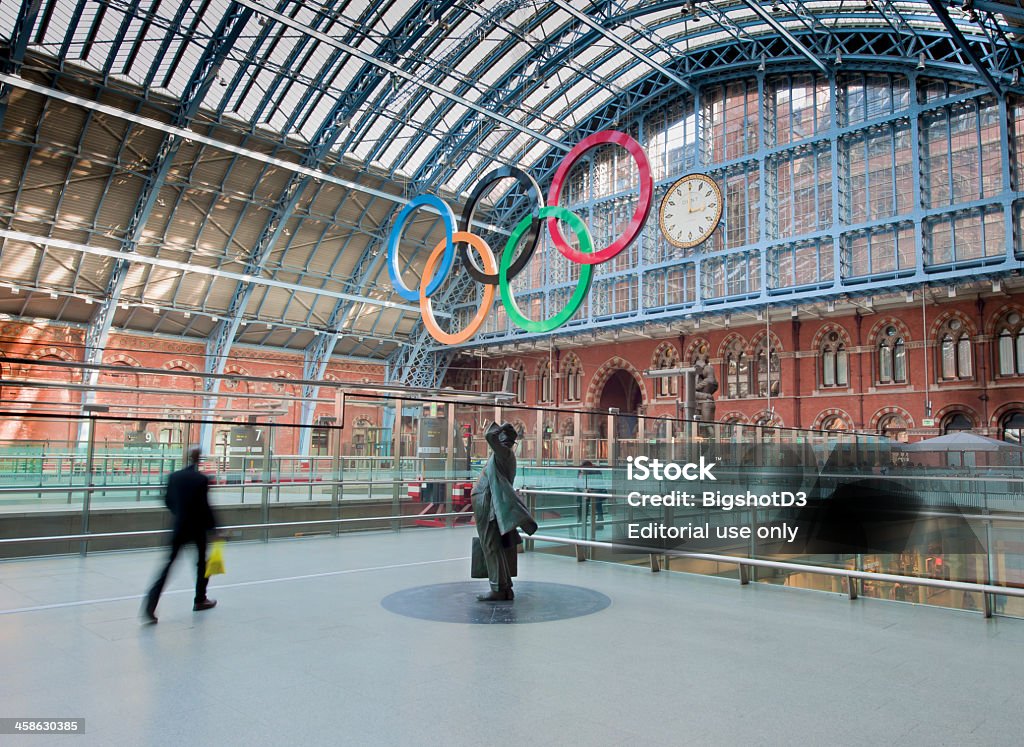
x=691, y=210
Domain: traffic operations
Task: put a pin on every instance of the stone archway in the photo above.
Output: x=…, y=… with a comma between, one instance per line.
x=622, y=391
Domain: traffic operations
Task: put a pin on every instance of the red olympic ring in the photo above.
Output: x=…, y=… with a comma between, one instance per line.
x=643, y=207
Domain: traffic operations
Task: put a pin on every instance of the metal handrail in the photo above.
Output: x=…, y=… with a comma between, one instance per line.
x=223, y=486
x=744, y=563
x=231, y=527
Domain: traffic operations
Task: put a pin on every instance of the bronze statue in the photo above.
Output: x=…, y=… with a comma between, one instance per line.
x=499, y=513
x=705, y=386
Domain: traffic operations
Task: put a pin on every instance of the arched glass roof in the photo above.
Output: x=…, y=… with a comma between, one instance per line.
x=241, y=161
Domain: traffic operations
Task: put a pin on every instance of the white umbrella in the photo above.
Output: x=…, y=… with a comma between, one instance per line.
x=962, y=441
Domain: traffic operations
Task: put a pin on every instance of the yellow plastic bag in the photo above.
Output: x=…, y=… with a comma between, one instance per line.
x=215, y=560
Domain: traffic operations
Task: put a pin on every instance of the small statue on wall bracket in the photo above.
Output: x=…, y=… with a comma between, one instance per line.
x=705, y=385
x=499, y=514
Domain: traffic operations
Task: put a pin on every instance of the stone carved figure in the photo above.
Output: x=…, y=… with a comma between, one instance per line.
x=705, y=386
x=499, y=513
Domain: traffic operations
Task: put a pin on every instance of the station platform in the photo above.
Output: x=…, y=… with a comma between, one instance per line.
x=304, y=648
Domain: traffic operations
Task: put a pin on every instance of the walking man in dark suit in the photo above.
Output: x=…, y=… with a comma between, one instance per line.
x=187, y=498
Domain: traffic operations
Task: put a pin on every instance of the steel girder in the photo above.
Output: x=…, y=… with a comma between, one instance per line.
x=15, y=53
x=327, y=135
x=425, y=355
x=202, y=78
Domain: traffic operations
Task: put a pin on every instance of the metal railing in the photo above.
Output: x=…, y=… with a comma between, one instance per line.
x=744, y=564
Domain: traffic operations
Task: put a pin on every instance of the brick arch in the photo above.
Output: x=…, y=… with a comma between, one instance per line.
x=757, y=337
x=967, y=410
x=663, y=347
x=1002, y=411
x=233, y=368
x=824, y=329
x=605, y=372
x=733, y=416
x=122, y=359
x=569, y=357
x=1006, y=308
x=693, y=348
x=51, y=352
x=941, y=320
x=832, y=412
x=890, y=410
x=280, y=373
x=879, y=326
x=775, y=418
x=179, y=364
x=727, y=342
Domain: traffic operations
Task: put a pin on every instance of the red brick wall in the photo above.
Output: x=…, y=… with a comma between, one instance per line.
x=803, y=402
x=149, y=396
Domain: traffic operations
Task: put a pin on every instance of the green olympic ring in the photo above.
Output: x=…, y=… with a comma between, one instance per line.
x=508, y=299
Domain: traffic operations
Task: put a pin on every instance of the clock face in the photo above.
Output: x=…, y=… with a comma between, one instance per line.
x=691, y=210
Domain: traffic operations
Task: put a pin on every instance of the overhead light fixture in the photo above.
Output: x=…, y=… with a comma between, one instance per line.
x=760, y=68
x=920, y=61
x=1015, y=78
x=53, y=296
x=951, y=291
x=997, y=286
x=188, y=314
x=830, y=305
x=909, y=297
x=794, y=312
x=15, y=291
x=839, y=58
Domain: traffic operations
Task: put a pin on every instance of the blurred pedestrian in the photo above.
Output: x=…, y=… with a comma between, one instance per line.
x=188, y=500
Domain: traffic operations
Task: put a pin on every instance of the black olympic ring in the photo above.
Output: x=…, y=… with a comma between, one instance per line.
x=532, y=236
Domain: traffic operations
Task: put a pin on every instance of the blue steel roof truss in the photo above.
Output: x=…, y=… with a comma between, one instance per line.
x=202, y=78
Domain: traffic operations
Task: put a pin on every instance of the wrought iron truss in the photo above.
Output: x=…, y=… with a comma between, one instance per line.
x=381, y=100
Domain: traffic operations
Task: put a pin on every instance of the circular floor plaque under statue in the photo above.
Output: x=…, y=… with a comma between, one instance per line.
x=536, y=601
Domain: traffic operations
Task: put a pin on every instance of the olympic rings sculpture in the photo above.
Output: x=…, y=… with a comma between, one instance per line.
x=493, y=273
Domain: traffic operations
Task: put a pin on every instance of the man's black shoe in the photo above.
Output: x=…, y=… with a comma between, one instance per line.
x=149, y=616
x=496, y=596
x=206, y=604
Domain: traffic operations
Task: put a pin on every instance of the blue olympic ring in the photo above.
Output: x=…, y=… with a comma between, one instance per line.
x=448, y=217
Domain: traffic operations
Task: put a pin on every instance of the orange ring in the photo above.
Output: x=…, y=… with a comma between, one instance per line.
x=427, y=312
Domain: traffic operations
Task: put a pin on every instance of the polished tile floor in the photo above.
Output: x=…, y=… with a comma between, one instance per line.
x=300, y=650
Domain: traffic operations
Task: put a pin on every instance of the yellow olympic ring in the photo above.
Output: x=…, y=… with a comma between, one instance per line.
x=490, y=266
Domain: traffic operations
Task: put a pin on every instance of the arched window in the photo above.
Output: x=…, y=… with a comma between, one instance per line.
x=954, y=346
x=667, y=358
x=834, y=423
x=1013, y=427
x=544, y=391
x=834, y=363
x=892, y=357
x=955, y=422
x=768, y=368
x=520, y=383
x=572, y=372
x=737, y=371
x=1010, y=349
x=894, y=427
